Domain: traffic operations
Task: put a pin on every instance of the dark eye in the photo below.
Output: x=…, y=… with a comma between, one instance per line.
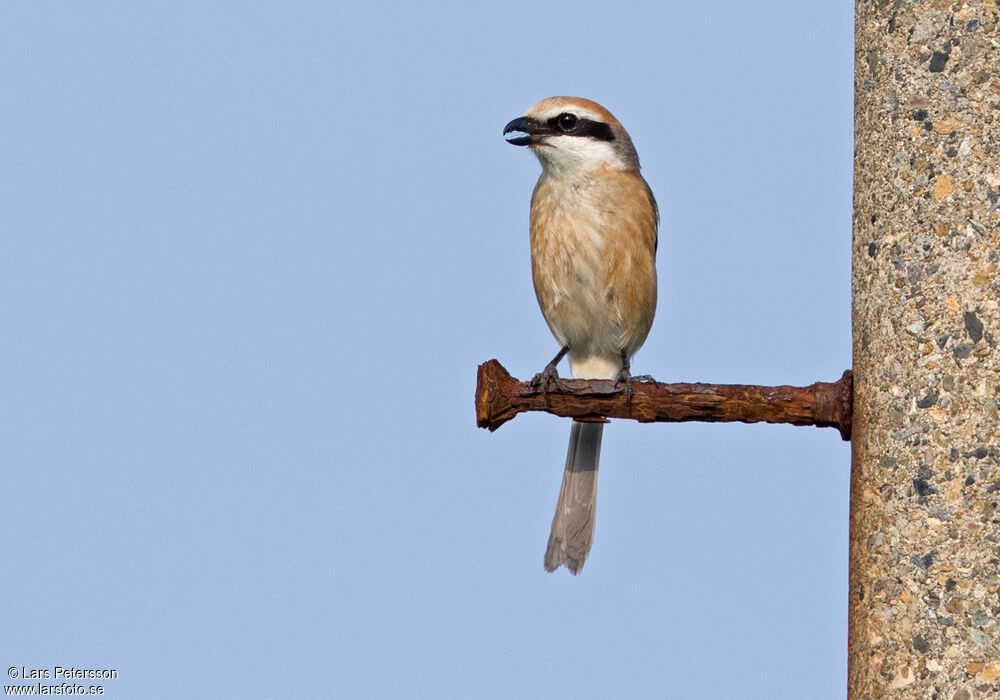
x=567, y=121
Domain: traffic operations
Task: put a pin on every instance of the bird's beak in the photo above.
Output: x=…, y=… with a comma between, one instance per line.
x=533, y=131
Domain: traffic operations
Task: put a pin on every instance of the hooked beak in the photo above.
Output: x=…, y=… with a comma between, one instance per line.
x=533, y=131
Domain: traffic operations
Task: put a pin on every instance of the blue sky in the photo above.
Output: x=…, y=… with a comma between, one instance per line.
x=251, y=257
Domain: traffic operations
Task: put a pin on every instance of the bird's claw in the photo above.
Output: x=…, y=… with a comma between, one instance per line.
x=625, y=377
x=547, y=375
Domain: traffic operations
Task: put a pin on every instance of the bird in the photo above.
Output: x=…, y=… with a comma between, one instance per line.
x=593, y=229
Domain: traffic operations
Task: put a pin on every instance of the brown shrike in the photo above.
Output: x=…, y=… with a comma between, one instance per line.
x=593, y=260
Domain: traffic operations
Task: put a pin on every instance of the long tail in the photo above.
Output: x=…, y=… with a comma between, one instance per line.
x=573, y=523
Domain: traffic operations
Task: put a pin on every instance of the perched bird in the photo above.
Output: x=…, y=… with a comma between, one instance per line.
x=593, y=261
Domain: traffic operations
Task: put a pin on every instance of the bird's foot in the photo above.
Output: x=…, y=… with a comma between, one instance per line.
x=550, y=374
x=625, y=377
x=542, y=379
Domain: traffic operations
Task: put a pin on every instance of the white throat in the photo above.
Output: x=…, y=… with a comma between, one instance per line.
x=563, y=155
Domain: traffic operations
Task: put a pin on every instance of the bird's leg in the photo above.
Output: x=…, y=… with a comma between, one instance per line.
x=624, y=376
x=550, y=373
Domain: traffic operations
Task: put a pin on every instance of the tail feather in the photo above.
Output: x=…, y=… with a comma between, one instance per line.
x=573, y=524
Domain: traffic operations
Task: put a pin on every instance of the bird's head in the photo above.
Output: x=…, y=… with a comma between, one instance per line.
x=571, y=134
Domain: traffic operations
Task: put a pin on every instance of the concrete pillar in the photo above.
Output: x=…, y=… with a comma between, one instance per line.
x=925, y=484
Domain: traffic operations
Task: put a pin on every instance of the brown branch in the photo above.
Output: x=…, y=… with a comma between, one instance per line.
x=500, y=397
